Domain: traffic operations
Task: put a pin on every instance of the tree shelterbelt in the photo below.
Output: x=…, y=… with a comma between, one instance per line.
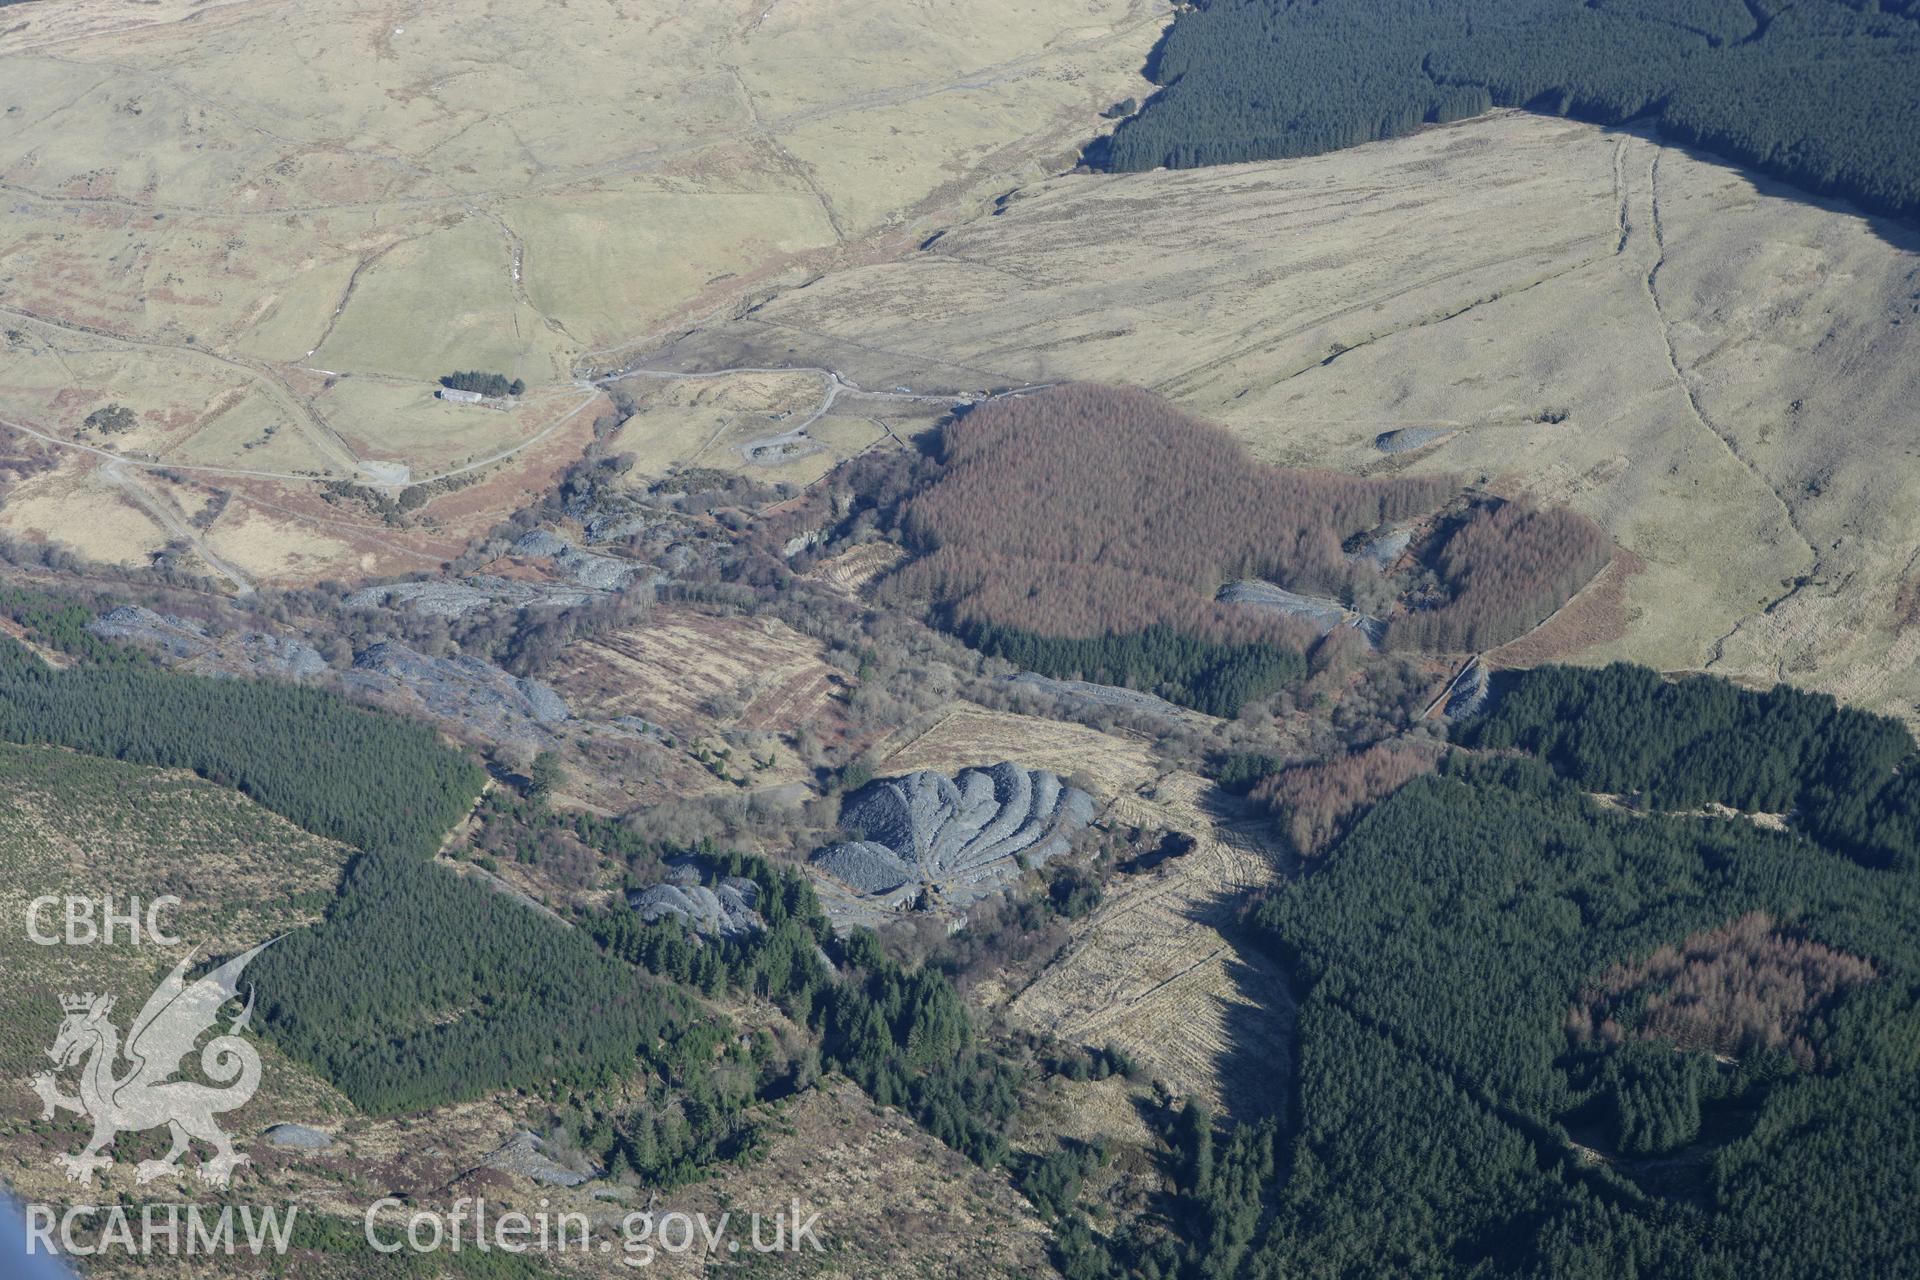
x=480, y=382
x=1823, y=94
x=1089, y=510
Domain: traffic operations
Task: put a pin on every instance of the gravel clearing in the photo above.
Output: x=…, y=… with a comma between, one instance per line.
x=1469, y=694
x=601, y=573
x=595, y=572
x=1104, y=695
x=174, y=637
x=457, y=599
x=540, y=542
x=525, y=1154
x=282, y=657
x=867, y=866
x=1407, y=439
x=252, y=653
x=1384, y=550
x=298, y=1137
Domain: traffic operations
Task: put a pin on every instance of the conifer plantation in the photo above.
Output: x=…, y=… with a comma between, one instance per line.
x=425, y=987
x=1819, y=93
x=1501, y=977
x=1849, y=778
x=1539, y=1035
x=1315, y=803
x=1506, y=567
x=1088, y=510
x=1542, y=1036
x=1087, y=528
x=1749, y=985
x=342, y=771
x=565, y=540
x=1085, y=531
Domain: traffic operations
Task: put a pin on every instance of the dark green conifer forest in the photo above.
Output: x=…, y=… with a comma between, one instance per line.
x=1211, y=676
x=1540, y=1034
x=481, y=382
x=1823, y=94
x=1450, y=1116
x=374, y=781
x=425, y=987
x=1850, y=779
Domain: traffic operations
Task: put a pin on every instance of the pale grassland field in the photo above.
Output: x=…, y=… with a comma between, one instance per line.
x=776, y=427
x=96, y=520
x=438, y=436
x=258, y=196
x=440, y=303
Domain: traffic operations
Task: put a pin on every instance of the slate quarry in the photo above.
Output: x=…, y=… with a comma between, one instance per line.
x=926, y=839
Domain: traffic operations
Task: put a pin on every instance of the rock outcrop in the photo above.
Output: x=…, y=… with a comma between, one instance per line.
x=193, y=647
x=526, y=1154
x=1407, y=439
x=1099, y=695
x=1325, y=614
x=463, y=688
x=299, y=1137
x=455, y=599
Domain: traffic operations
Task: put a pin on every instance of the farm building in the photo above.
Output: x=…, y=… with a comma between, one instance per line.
x=461, y=397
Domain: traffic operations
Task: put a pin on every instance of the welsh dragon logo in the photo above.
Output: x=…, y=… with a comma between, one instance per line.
x=144, y=1096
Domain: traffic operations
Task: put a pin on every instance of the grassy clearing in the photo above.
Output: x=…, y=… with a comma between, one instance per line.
x=462, y=277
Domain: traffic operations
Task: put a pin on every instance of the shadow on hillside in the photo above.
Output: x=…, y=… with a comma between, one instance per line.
x=1901, y=235
x=1255, y=1062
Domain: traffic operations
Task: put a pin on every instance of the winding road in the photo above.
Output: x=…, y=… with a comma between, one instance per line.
x=836, y=386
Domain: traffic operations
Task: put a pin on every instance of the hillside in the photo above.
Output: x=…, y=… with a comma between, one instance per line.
x=73, y=823
x=264, y=234
x=1544, y=1031
x=1443, y=944
x=1715, y=371
x=1094, y=639
x=1820, y=94
x=383, y=784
